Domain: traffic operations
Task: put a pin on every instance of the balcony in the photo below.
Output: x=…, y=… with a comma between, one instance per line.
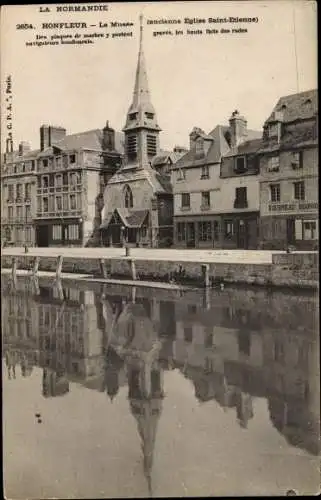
x=239, y=204
x=185, y=208
x=205, y=206
x=293, y=206
x=17, y=220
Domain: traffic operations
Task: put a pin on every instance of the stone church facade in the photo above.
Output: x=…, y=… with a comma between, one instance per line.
x=138, y=199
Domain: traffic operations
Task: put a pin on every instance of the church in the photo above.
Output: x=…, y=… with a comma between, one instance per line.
x=138, y=199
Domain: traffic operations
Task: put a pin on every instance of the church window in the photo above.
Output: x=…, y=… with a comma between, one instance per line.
x=131, y=147
x=128, y=197
x=151, y=145
x=133, y=116
x=150, y=116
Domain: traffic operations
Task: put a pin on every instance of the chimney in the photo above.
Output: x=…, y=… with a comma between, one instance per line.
x=23, y=148
x=50, y=134
x=108, y=138
x=238, y=128
x=193, y=136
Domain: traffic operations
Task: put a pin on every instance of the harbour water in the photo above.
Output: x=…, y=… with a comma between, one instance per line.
x=116, y=391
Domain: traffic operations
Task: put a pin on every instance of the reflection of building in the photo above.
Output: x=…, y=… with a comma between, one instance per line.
x=234, y=347
x=289, y=173
x=138, y=198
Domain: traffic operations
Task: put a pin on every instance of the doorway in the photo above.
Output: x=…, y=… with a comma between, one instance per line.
x=290, y=231
x=190, y=243
x=42, y=236
x=242, y=234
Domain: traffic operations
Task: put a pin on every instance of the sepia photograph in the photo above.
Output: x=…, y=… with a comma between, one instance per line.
x=160, y=249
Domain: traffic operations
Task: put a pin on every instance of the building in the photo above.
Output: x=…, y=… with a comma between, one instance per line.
x=289, y=174
x=53, y=196
x=216, y=188
x=18, y=195
x=72, y=171
x=138, y=200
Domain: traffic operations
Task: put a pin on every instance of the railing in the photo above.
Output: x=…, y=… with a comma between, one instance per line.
x=241, y=204
x=60, y=214
x=17, y=220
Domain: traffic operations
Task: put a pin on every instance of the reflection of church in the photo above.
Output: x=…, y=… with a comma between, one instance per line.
x=134, y=347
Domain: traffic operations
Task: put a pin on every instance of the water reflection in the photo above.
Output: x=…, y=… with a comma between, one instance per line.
x=233, y=347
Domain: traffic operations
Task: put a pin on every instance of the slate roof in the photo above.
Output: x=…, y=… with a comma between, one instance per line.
x=160, y=183
x=133, y=218
x=299, y=106
x=219, y=147
x=26, y=156
x=91, y=139
x=245, y=148
x=164, y=156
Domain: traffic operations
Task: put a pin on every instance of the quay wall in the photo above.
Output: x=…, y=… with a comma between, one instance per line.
x=293, y=270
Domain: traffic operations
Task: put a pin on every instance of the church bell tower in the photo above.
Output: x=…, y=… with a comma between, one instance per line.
x=141, y=128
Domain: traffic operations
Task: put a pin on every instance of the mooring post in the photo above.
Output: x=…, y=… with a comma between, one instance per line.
x=133, y=269
x=59, y=266
x=36, y=266
x=206, y=274
x=60, y=289
x=103, y=268
x=35, y=282
x=14, y=267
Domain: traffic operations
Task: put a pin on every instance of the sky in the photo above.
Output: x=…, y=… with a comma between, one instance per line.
x=194, y=80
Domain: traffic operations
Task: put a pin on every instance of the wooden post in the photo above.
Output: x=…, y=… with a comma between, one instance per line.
x=14, y=267
x=103, y=268
x=59, y=266
x=60, y=289
x=36, y=266
x=133, y=269
x=35, y=282
x=206, y=274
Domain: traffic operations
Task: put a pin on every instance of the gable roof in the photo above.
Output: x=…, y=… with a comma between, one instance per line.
x=220, y=147
x=90, y=139
x=300, y=106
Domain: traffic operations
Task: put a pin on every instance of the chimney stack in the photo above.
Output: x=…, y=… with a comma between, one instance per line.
x=238, y=128
x=49, y=135
x=23, y=148
x=108, y=138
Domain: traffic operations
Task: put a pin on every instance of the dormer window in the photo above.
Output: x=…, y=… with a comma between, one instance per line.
x=150, y=116
x=240, y=165
x=273, y=130
x=205, y=172
x=274, y=164
x=133, y=116
x=199, y=147
x=297, y=160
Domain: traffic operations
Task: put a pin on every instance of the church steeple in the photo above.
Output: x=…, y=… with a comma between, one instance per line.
x=141, y=129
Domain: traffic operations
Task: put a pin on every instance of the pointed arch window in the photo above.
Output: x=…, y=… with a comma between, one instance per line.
x=128, y=197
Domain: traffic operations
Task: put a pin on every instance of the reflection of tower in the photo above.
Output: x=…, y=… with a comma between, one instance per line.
x=145, y=395
x=137, y=343
x=54, y=384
